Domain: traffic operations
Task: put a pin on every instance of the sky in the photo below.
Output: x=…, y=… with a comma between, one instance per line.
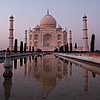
x=68, y=13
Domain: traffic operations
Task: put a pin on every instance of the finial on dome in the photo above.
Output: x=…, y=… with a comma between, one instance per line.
x=84, y=16
x=11, y=16
x=48, y=11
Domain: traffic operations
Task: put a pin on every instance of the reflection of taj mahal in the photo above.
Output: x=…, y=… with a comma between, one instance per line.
x=49, y=70
x=48, y=35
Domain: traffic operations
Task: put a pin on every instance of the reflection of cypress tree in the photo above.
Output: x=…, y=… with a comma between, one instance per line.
x=70, y=63
x=56, y=56
x=36, y=58
x=24, y=60
x=15, y=64
x=61, y=59
x=29, y=58
x=93, y=74
x=32, y=57
x=30, y=48
x=21, y=61
x=67, y=62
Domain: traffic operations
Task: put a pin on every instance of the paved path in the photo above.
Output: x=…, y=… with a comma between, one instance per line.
x=91, y=59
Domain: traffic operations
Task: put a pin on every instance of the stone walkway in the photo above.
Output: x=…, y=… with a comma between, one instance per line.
x=81, y=57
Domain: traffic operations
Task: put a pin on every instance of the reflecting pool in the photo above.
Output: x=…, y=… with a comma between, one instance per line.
x=48, y=78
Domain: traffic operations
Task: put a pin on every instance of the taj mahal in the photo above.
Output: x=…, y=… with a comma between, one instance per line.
x=49, y=35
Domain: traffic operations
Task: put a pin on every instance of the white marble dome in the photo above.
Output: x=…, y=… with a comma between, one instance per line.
x=48, y=21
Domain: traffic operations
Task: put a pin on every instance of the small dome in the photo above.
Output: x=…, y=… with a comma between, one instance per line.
x=84, y=16
x=25, y=31
x=70, y=31
x=48, y=21
x=58, y=26
x=11, y=17
x=37, y=26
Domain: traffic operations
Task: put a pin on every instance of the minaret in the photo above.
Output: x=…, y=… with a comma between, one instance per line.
x=70, y=38
x=85, y=38
x=26, y=37
x=11, y=33
x=66, y=35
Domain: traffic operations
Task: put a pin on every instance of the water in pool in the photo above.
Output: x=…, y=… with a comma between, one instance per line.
x=48, y=78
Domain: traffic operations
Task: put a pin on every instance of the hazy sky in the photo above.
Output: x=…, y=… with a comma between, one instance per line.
x=68, y=13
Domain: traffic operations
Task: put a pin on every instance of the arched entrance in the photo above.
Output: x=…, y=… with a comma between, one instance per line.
x=47, y=40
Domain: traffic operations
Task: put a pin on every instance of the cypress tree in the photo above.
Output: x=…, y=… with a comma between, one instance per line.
x=75, y=45
x=61, y=49
x=29, y=48
x=92, y=43
x=66, y=47
x=8, y=50
x=33, y=49
x=24, y=47
x=15, y=46
x=70, y=47
x=56, y=50
x=21, y=46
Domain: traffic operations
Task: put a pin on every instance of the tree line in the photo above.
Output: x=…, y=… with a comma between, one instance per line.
x=64, y=48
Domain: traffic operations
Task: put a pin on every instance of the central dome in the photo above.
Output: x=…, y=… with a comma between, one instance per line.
x=48, y=21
